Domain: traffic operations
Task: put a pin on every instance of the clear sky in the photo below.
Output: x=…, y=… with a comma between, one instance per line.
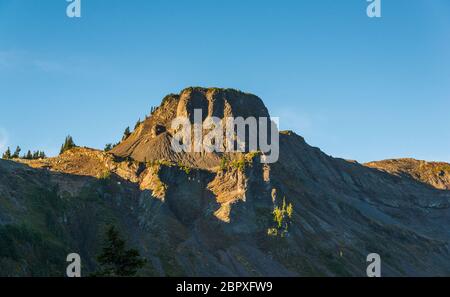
x=358, y=88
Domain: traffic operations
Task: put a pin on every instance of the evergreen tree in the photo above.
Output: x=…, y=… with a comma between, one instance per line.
x=115, y=259
x=126, y=133
x=42, y=155
x=108, y=147
x=7, y=154
x=35, y=155
x=29, y=155
x=68, y=144
x=16, y=153
x=137, y=124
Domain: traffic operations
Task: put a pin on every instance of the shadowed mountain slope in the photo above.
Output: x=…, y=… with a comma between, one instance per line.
x=193, y=215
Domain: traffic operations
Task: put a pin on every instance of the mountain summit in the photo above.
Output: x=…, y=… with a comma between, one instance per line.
x=206, y=214
x=151, y=140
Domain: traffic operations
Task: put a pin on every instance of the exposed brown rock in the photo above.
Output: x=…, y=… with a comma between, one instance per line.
x=151, y=141
x=435, y=174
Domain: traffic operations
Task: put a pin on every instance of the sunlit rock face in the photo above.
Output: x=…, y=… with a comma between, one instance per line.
x=152, y=138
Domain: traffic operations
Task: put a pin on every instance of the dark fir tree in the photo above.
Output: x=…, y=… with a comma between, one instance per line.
x=35, y=155
x=42, y=155
x=117, y=261
x=29, y=155
x=68, y=144
x=137, y=124
x=126, y=133
x=7, y=154
x=16, y=153
x=108, y=147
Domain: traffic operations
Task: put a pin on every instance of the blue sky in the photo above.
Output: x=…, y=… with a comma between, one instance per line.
x=356, y=87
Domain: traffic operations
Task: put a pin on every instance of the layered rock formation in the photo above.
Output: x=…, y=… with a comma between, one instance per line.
x=205, y=215
x=151, y=141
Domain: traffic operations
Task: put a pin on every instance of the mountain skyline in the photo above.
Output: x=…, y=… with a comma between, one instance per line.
x=357, y=88
x=222, y=213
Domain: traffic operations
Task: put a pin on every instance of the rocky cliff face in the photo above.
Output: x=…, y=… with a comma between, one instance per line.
x=203, y=215
x=151, y=141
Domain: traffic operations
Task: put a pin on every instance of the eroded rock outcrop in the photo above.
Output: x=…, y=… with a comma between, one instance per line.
x=151, y=140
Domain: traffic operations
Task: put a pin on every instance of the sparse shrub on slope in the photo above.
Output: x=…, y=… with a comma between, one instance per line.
x=282, y=217
x=244, y=161
x=184, y=168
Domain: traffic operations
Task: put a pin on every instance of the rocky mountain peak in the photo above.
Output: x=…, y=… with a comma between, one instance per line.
x=151, y=139
x=220, y=103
